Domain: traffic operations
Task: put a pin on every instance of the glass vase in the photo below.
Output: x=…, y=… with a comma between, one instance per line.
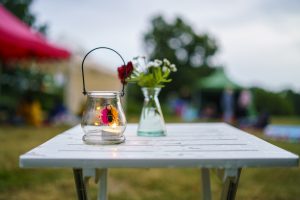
x=152, y=122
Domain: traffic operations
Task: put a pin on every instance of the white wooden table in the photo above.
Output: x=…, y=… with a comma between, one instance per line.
x=201, y=145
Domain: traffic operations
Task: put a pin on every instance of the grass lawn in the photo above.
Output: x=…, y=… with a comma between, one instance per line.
x=132, y=184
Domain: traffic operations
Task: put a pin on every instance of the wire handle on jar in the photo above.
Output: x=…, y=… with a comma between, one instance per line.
x=83, y=81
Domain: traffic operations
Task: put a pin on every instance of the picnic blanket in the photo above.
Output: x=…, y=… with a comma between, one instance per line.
x=283, y=132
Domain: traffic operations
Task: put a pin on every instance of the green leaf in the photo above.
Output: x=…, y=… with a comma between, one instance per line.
x=166, y=74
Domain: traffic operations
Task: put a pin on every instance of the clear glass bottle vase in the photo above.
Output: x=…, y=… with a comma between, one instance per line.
x=152, y=122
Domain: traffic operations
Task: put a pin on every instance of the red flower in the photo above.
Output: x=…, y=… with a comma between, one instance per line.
x=125, y=71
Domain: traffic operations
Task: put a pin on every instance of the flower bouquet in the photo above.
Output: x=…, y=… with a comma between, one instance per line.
x=151, y=77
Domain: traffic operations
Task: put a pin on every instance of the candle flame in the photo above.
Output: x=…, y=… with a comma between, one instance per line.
x=98, y=108
x=96, y=123
x=114, y=125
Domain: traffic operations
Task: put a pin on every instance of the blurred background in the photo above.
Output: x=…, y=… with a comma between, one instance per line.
x=237, y=61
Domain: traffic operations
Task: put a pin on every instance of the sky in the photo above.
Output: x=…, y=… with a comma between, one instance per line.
x=259, y=40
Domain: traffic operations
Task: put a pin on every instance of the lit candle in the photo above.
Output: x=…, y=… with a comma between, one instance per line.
x=114, y=125
x=111, y=132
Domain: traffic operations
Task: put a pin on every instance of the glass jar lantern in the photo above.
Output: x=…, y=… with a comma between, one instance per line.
x=103, y=120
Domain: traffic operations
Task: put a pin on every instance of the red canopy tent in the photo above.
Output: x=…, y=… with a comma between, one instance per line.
x=17, y=41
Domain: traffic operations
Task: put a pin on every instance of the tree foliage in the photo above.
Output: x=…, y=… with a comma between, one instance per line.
x=21, y=9
x=275, y=103
x=189, y=51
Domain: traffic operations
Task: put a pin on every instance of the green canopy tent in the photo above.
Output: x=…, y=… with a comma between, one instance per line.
x=210, y=90
x=217, y=81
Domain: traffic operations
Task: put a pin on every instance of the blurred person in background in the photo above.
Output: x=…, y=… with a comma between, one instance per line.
x=59, y=113
x=227, y=104
x=244, y=103
x=30, y=111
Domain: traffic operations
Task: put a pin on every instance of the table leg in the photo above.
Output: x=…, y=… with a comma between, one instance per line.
x=102, y=194
x=205, y=184
x=230, y=180
x=80, y=185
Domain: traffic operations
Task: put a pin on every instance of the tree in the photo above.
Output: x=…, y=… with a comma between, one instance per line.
x=21, y=8
x=189, y=51
x=274, y=103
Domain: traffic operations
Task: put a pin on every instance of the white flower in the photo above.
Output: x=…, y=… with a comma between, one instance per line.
x=166, y=61
x=158, y=62
x=173, y=68
x=150, y=64
x=153, y=64
x=164, y=69
x=139, y=64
